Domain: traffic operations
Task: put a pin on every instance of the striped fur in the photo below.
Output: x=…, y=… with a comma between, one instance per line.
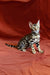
x=30, y=39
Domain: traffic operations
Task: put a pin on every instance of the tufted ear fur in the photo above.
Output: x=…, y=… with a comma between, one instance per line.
x=30, y=24
x=38, y=23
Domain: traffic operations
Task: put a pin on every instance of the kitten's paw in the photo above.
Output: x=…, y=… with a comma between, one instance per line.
x=24, y=50
x=41, y=51
x=34, y=51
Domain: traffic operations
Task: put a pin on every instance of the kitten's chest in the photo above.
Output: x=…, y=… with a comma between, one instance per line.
x=33, y=38
x=36, y=38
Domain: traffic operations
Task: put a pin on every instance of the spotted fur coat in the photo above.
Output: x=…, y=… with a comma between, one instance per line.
x=30, y=39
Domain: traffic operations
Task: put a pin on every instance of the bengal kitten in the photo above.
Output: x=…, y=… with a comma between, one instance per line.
x=30, y=39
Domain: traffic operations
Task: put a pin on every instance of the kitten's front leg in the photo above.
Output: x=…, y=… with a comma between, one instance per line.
x=38, y=46
x=33, y=49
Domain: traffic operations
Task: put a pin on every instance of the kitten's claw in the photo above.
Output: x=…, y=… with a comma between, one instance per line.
x=33, y=51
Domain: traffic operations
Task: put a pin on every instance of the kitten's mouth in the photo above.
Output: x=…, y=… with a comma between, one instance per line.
x=34, y=29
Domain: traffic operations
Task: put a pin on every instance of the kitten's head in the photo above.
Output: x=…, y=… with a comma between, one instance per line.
x=35, y=27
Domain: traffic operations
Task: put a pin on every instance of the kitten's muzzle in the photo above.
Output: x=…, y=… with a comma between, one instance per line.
x=34, y=28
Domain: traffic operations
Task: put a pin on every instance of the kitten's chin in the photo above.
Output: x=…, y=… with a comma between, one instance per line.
x=37, y=31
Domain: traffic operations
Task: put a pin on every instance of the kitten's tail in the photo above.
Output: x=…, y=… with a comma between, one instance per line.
x=10, y=45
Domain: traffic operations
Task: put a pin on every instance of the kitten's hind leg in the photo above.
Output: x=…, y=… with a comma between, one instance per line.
x=38, y=46
x=33, y=49
x=23, y=49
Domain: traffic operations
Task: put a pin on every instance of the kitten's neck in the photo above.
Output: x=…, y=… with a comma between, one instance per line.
x=34, y=33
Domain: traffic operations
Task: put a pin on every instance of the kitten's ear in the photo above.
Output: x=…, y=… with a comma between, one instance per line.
x=38, y=23
x=30, y=24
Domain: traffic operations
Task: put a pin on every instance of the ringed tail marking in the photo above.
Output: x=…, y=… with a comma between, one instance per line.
x=10, y=45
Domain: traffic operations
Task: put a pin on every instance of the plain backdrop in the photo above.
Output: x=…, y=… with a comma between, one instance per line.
x=14, y=19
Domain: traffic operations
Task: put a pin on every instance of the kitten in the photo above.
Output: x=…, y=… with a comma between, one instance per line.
x=30, y=39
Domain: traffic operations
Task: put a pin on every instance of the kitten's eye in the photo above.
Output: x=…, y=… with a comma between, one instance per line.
x=34, y=24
